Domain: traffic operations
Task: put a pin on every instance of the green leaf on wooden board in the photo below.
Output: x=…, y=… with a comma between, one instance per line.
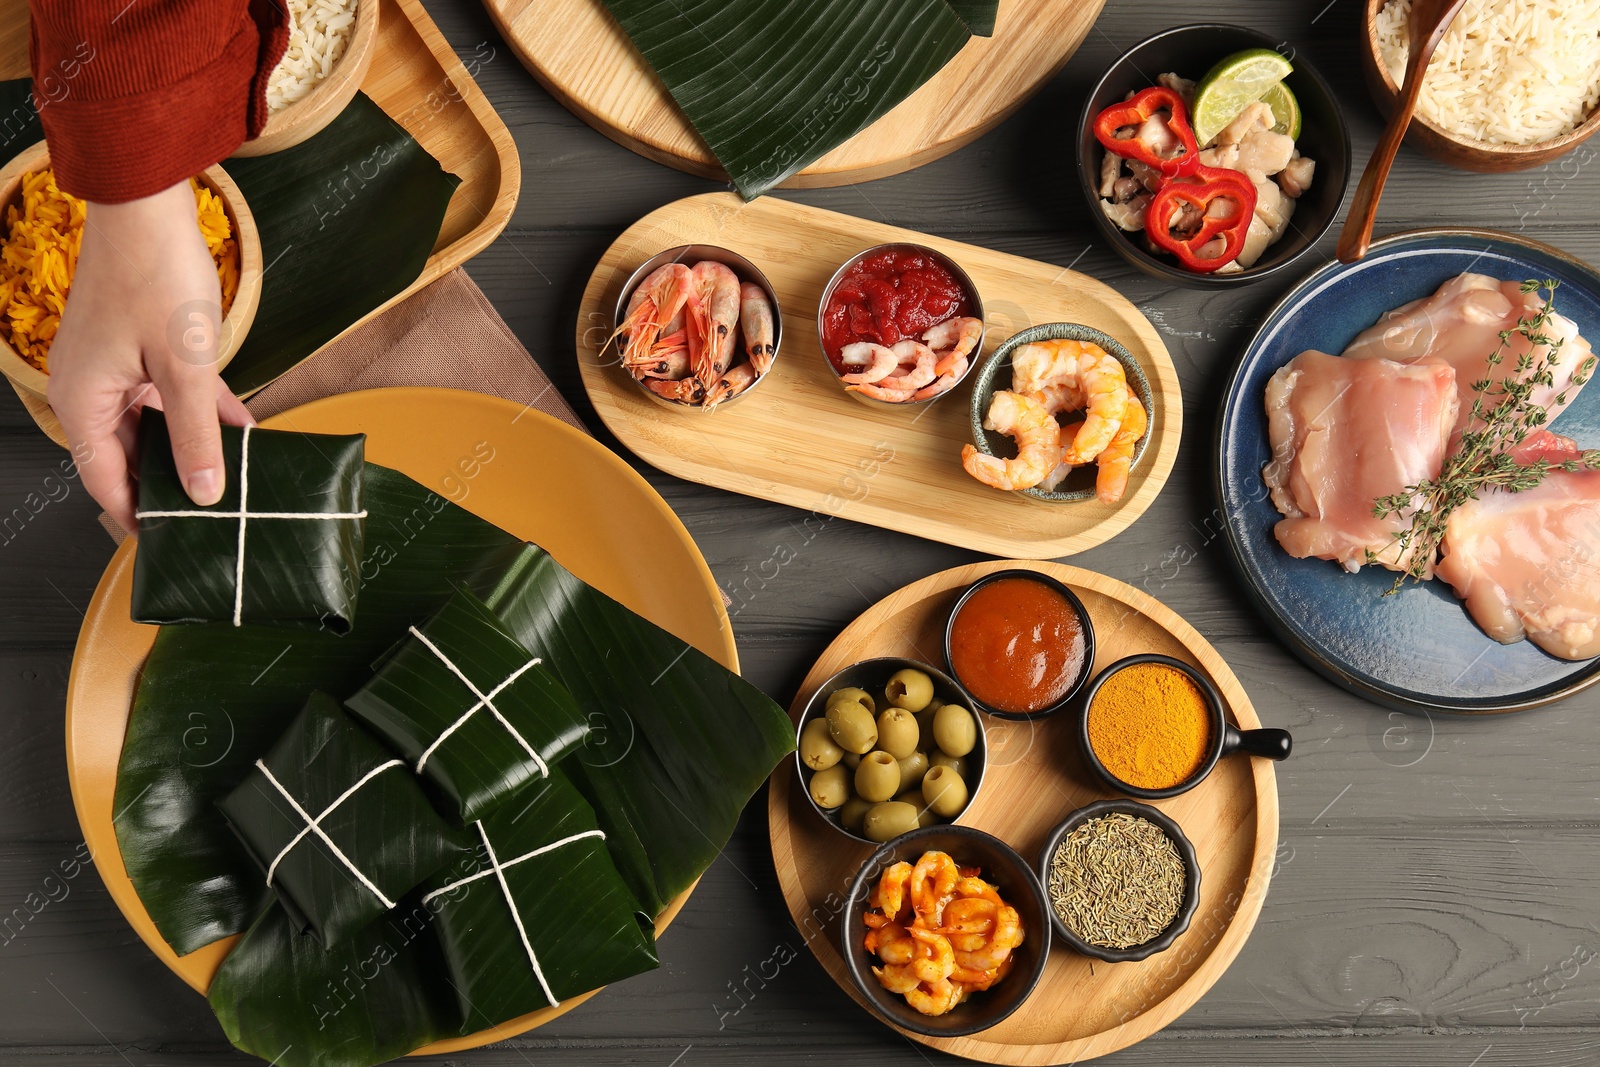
x=979, y=15
x=347, y=220
x=695, y=740
x=772, y=85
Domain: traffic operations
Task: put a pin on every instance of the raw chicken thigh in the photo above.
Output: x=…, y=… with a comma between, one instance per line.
x=1528, y=564
x=1460, y=325
x=1345, y=432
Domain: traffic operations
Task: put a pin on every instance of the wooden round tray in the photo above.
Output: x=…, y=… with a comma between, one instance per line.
x=1035, y=779
x=578, y=52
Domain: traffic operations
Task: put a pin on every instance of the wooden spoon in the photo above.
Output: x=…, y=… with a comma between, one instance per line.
x=1425, y=28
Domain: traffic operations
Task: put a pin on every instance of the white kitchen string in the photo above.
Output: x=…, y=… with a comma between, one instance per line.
x=485, y=700
x=314, y=826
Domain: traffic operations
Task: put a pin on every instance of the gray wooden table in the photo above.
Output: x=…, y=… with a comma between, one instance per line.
x=1438, y=883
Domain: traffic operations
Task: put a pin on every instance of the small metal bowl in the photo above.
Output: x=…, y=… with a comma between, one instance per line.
x=691, y=254
x=1225, y=737
x=1088, y=641
x=1018, y=885
x=974, y=300
x=872, y=675
x=1191, y=881
x=996, y=374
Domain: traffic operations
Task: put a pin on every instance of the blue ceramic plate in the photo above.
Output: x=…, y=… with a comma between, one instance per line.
x=1417, y=650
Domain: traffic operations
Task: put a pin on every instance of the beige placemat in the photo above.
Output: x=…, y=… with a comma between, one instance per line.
x=447, y=335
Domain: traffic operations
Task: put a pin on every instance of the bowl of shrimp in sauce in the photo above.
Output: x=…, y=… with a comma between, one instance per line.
x=900, y=325
x=697, y=327
x=1040, y=376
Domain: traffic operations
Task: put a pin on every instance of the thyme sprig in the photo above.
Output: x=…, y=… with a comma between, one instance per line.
x=1503, y=416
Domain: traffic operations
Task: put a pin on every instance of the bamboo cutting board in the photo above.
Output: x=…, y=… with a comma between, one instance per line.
x=800, y=439
x=1035, y=779
x=577, y=51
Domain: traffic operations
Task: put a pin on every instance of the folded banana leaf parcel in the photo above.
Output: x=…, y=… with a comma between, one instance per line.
x=551, y=892
x=281, y=548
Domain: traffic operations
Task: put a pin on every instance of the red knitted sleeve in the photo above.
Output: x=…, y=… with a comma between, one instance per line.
x=137, y=95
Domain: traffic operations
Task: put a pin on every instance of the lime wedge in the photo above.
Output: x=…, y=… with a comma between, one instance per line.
x=1285, y=110
x=1232, y=85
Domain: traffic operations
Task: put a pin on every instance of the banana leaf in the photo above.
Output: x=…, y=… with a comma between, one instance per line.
x=347, y=220
x=977, y=14
x=544, y=915
x=476, y=746
x=695, y=739
x=282, y=996
x=376, y=837
x=697, y=742
x=772, y=85
x=209, y=565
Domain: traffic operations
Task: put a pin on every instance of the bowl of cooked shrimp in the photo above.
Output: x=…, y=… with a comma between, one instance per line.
x=900, y=325
x=1038, y=378
x=697, y=327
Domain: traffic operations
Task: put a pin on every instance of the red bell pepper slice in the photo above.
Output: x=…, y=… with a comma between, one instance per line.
x=1135, y=113
x=1200, y=190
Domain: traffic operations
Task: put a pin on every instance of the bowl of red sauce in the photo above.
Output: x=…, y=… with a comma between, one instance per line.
x=1019, y=643
x=891, y=293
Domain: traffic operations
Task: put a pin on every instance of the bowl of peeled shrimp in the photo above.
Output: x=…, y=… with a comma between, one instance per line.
x=697, y=327
x=900, y=325
x=1037, y=378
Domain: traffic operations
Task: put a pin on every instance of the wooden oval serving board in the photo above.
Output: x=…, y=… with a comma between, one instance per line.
x=579, y=52
x=1035, y=778
x=800, y=439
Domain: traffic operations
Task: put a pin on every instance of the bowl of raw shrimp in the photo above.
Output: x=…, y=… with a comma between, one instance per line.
x=961, y=1002
x=1067, y=370
x=697, y=327
x=900, y=325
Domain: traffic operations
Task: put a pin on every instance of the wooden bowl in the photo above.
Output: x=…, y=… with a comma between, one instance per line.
x=34, y=382
x=1466, y=153
x=308, y=116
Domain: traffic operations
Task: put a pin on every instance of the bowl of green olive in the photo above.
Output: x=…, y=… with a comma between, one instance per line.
x=887, y=745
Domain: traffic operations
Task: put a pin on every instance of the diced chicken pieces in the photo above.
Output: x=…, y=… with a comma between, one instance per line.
x=1528, y=564
x=1158, y=136
x=1129, y=216
x=1224, y=156
x=1255, y=116
x=1272, y=207
x=1110, y=171
x=1256, y=240
x=1263, y=153
x=1148, y=176
x=1182, y=86
x=1345, y=432
x=1295, y=177
x=1125, y=189
x=1460, y=324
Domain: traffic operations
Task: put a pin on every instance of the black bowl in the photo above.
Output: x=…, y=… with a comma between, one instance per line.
x=1018, y=885
x=1226, y=738
x=1190, y=51
x=1088, y=641
x=872, y=675
x=1191, y=882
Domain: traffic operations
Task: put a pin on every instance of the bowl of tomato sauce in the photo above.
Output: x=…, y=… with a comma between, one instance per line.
x=1019, y=643
x=891, y=293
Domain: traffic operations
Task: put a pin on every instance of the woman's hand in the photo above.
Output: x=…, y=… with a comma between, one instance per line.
x=140, y=327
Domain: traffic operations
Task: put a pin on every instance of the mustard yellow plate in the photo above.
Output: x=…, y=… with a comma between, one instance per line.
x=527, y=473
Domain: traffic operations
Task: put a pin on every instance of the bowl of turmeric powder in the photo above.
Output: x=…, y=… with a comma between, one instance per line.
x=1153, y=727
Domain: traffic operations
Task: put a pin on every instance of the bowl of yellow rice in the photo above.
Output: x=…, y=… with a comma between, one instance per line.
x=41, y=233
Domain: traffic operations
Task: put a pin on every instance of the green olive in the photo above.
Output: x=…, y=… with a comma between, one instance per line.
x=850, y=695
x=953, y=730
x=910, y=689
x=851, y=760
x=940, y=759
x=817, y=749
x=912, y=768
x=898, y=732
x=925, y=727
x=889, y=820
x=945, y=792
x=852, y=726
x=830, y=788
x=878, y=777
x=854, y=810
x=925, y=815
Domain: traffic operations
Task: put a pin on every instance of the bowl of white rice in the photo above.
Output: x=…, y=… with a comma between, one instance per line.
x=331, y=44
x=1514, y=83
